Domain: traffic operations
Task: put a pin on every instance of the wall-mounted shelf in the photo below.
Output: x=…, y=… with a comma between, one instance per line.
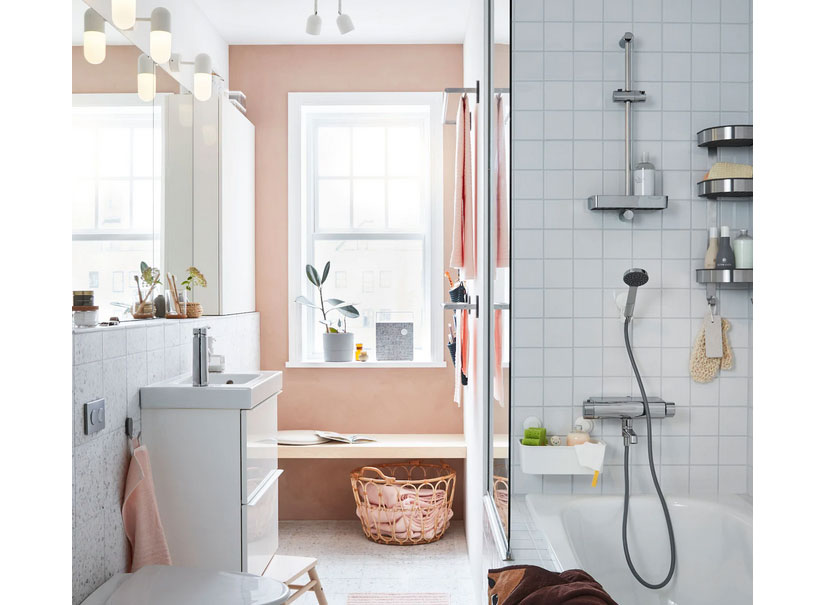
x=725, y=188
x=551, y=460
x=724, y=276
x=732, y=135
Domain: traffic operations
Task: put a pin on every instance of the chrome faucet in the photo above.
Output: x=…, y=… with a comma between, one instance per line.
x=628, y=433
x=200, y=357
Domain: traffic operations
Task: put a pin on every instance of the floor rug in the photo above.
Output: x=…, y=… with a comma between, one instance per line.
x=387, y=598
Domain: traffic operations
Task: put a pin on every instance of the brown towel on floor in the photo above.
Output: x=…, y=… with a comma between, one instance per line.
x=532, y=585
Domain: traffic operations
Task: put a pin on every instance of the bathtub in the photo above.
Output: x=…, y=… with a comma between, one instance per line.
x=714, y=546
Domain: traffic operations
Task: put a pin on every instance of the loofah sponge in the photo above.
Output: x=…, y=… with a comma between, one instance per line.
x=704, y=368
x=728, y=170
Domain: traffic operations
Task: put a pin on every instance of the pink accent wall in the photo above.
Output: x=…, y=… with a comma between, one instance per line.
x=117, y=73
x=346, y=400
x=365, y=400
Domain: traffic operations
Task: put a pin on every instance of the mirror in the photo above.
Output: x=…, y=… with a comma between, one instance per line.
x=132, y=189
x=499, y=467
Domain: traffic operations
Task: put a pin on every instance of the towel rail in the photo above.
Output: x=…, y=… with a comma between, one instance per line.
x=448, y=91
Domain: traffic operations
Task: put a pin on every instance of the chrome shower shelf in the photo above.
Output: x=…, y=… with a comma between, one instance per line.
x=724, y=276
x=733, y=135
x=716, y=188
x=627, y=202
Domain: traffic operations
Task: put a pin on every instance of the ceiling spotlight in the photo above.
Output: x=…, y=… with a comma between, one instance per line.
x=314, y=22
x=344, y=21
x=146, y=78
x=203, y=77
x=160, y=35
x=94, y=37
x=124, y=13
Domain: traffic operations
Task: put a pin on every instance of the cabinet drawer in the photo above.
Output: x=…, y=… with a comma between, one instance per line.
x=259, y=526
x=259, y=449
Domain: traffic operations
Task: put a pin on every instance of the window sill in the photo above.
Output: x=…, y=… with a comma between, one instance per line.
x=366, y=364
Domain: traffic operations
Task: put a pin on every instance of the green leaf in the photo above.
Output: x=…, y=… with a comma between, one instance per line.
x=305, y=301
x=332, y=330
x=326, y=273
x=348, y=311
x=312, y=275
x=143, y=267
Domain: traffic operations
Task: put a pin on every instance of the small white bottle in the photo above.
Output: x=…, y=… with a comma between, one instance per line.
x=644, y=177
x=743, y=250
x=713, y=248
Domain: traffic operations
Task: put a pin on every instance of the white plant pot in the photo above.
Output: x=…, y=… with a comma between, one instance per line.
x=339, y=347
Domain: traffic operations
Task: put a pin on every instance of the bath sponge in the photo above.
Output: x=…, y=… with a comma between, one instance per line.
x=729, y=170
x=703, y=368
x=539, y=433
x=527, y=441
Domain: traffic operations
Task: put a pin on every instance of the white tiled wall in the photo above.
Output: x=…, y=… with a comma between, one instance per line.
x=693, y=59
x=114, y=362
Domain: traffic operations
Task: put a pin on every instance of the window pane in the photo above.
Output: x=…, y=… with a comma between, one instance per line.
x=368, y=203
x=143, y=152
x=84, y=150
x=333, y=203
x=368, y=150
x=367, y=264
x=115, y=152
x=83, y=205
x=405, y=210
x=405, y=155
x=142, y=200
x=113, y=200
x=333, y=151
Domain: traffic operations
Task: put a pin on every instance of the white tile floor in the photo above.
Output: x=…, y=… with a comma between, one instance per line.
x=348, y=562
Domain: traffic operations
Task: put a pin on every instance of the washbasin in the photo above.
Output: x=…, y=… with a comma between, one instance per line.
x=238, y=391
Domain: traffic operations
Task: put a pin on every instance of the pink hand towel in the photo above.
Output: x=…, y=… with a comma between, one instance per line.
x=141, y=519
x=502, y=208
x=463, y=255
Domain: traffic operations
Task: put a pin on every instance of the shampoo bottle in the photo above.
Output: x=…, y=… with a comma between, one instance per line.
x=644, y=177
x=725, y=258
x=713, y=248
x=743, y=250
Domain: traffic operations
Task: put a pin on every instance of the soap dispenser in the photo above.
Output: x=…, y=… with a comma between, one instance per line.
x=644, y=177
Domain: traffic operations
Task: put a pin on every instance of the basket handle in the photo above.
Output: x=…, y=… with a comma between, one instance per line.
x=382, y=476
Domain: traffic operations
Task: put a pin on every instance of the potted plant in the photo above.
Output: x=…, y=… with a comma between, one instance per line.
x=339, y=345
x=193, y=279
x=150, y=277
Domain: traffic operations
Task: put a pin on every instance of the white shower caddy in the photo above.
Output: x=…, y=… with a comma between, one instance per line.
x=552, y=459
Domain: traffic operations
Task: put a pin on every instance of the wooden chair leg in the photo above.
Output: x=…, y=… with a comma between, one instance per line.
x=319, y=590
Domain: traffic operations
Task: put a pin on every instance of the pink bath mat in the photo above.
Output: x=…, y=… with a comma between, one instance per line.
x=388, y=598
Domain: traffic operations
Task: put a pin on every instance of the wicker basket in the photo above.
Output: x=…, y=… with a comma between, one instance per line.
x=194, y=310
x=404, y=502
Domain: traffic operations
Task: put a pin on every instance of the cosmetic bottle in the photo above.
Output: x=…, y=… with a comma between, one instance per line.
x=724, y=258
x=644, y=177
x=743, y=250
x=713, y=248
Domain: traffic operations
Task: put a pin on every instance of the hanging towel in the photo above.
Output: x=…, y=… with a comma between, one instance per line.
x=463, y=255
x=141, y=519
x=498, y=372
x=502, y=213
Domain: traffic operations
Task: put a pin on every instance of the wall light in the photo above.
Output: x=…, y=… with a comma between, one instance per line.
x=344, y=21
x=94, y=37
x=124, y=13
x=160, y=35
x=146, y=78
x=203, y=77
x=314, y=22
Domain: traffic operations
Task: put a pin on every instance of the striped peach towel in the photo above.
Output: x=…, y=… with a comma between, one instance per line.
x=141, y=519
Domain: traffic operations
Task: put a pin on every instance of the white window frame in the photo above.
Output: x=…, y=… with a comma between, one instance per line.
x=300, y=220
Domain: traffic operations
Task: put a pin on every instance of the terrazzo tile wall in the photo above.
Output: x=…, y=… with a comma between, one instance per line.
x=693, y=58
x=114, y=362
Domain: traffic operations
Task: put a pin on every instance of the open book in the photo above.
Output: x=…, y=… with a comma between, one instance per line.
x=330, y=436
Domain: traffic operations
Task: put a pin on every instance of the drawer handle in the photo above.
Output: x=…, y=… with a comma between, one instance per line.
x=271, y=478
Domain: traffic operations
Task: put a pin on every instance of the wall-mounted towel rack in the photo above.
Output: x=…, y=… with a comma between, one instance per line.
x=450, y=91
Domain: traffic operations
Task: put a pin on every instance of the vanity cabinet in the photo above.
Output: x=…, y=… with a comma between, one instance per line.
x=216, y=480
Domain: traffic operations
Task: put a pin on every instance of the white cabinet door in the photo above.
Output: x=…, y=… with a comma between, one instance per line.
x=259, y=526
x=259, y=427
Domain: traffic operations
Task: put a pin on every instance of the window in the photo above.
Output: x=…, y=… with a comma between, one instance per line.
x=116, y=199
x=365, y=193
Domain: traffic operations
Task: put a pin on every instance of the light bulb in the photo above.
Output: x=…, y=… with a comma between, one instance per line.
x=146, y=78
x=124, y=13
x=314, y=22
x=94, y=37
x=160, y=35
x=203, y=77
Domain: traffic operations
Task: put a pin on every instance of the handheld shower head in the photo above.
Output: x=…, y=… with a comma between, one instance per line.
x=633, y=278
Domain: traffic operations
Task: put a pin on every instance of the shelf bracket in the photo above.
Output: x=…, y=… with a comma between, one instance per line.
x=710, y=291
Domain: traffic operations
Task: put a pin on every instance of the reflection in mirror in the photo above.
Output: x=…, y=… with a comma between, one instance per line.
x=132, y=176
x=499, y=406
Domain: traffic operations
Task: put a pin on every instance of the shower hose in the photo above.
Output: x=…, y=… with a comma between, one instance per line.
x=635, y=573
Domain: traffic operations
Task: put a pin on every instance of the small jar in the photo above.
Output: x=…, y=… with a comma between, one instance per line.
x=577, y=436
x=84, y=316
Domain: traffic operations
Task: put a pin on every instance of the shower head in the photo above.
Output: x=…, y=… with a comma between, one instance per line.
x=633, y=278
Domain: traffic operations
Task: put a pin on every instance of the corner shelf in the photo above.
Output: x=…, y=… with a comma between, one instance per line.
x=724, y=188
x=731, y=135
x=713, y=278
